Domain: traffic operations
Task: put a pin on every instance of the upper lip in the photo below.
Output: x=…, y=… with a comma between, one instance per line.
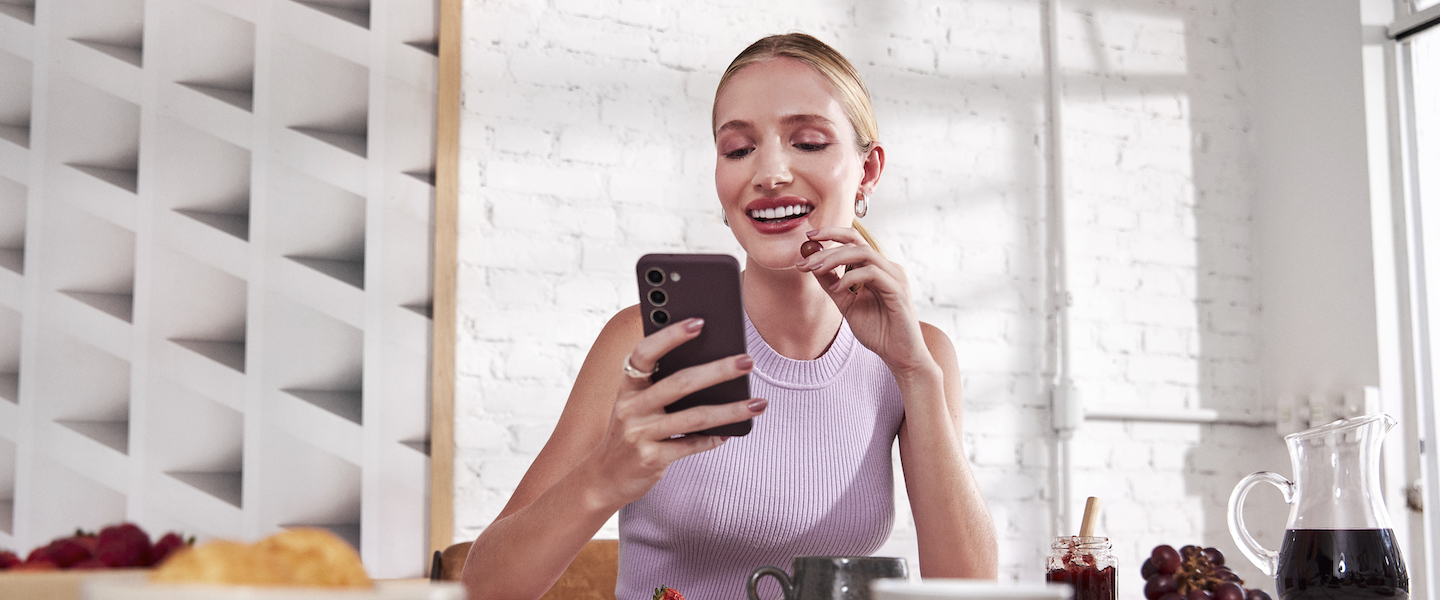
x=776, y=202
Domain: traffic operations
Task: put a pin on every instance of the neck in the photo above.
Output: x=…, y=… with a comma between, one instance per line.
x=790, y=310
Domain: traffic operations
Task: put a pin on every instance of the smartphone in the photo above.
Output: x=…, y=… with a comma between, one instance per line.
x=675, y=287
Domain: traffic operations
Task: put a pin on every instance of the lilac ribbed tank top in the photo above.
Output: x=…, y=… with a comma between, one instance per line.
x=812, y=478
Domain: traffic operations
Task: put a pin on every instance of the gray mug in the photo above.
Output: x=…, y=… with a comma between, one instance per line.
x=830, y=577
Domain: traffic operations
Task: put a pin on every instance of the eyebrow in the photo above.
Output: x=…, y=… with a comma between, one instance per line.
x=805, y=119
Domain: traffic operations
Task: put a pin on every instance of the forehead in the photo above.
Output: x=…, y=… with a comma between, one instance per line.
x=775, y=88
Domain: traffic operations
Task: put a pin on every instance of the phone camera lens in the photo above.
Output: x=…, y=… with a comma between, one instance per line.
x=657, y=297
x=660, y=317
x=655, y=276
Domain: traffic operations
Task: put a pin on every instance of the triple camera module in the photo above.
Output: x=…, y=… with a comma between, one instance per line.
x=657, y=297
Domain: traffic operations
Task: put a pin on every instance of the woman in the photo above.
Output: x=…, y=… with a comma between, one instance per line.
x=839, y=363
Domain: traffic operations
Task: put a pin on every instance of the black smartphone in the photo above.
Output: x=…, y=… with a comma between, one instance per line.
x=675, y=287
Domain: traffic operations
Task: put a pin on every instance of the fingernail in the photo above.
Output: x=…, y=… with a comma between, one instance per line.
x=812, y=233
x=757, y=405
x=744, y=362
x=694, y=325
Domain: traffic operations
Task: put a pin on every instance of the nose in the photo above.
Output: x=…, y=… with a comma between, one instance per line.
x=772, y=169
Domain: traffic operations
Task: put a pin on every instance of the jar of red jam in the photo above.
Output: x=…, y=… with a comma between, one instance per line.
x=1086, y=563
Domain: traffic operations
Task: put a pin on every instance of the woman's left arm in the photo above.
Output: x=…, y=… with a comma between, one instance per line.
x=953, y=528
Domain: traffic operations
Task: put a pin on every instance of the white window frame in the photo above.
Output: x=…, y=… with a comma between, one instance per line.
x=1419, y=338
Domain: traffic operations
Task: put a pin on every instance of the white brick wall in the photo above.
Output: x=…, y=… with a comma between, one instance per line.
x=586, y=145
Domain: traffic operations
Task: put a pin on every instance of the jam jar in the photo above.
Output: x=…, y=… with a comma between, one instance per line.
x=1085, y=563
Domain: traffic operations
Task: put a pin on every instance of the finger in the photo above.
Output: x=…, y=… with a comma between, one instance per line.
x=867, y=277
x=849, y=255
x=700, y=418
x=649, y=350
x=689, y=380
x=676, y=449
x=843, y=235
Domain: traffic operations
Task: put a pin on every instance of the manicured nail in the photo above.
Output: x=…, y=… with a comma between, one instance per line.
x=694, y=325
x=744, y=362
x=812, y=233
x=757, y=405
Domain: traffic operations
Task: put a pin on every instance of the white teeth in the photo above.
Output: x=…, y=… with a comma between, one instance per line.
x=779, y=213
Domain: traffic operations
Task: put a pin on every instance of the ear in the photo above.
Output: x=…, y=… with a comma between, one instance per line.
x=873, y=165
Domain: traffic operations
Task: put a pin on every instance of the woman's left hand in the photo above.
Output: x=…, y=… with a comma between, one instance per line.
x=879, y=310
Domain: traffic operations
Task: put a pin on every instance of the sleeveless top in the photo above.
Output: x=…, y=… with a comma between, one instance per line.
x=812, y=478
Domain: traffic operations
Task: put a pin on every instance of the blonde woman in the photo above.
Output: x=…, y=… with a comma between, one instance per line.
x=837, y=376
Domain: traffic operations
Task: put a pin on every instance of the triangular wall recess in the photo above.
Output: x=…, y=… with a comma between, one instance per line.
x=126, y=179
x=350, y=141
x=430, y=47
x=421, y=446
x=114, y=434
x=225, y=485
x=16, y=134
x=130, y=54
x=23, y=12
x=348, y=271
x=426, y=177
x=230, y=354
x=356, y=16
x=345, y=404
x=10, y=387
x=7, y=513
x=236, y=225
x=350, y=532
x=120, y=306
x=13, y=259
x=424, y=309
x=241, y=99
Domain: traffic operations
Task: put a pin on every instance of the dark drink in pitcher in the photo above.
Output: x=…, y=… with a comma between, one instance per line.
x=1358, y=564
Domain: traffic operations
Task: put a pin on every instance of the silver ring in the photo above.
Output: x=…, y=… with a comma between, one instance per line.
x=635, y=373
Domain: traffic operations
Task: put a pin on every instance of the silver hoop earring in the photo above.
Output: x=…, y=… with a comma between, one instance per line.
x=862, y=204
x=724, y=218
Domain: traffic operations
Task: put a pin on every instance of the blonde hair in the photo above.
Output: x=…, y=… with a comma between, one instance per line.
x=854, y=96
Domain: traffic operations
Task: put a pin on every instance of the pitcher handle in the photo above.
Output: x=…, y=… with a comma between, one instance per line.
x=1267, y=560
x=787, y=586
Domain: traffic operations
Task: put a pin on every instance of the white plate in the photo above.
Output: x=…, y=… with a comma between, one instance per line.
x=139, y=588
x=966, y=589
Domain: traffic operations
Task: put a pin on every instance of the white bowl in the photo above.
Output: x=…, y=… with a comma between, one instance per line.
x=967, y=589
x=139, y=588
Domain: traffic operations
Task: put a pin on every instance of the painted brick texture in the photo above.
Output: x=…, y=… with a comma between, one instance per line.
x=586, y=144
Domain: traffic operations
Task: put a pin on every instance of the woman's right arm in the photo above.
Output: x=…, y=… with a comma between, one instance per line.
x=610, y=446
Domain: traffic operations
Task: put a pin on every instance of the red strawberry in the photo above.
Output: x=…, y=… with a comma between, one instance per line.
x=39, y=554
x=88, y=564
x=123, y=545
x=86, y=539
x=665, y=593
x=8, y=559
x=43, y=564
x=167, y=545
x=66, y=551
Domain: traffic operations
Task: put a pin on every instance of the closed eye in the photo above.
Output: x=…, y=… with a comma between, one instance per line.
x=737, y=154
x=811, y=147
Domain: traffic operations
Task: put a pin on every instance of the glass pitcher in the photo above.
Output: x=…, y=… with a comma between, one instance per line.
x=1338, y=541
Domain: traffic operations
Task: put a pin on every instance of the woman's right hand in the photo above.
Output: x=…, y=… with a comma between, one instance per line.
x=642, y=439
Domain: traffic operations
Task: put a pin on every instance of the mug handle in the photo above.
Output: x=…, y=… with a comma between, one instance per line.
x=1267, y=560
x=780, y=576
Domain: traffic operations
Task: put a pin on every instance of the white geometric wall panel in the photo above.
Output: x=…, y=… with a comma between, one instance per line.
x=215, y=289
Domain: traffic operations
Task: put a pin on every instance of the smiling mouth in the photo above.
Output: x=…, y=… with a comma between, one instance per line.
x=782, y=213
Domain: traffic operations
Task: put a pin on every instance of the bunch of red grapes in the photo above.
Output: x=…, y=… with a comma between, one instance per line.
x=1193, y=573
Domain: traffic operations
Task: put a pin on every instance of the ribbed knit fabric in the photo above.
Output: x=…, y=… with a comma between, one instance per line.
x=812, y=478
